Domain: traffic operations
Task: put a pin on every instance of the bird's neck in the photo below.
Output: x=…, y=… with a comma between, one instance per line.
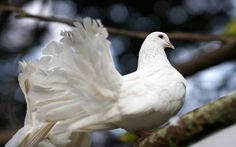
x=152, y=56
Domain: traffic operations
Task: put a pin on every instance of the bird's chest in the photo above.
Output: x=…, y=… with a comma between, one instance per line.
x=153, y=119
x=166, y=101
x=150, y=102
x=158, y=104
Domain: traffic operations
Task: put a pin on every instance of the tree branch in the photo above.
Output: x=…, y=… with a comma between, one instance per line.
x=195, y=125
x=190, y=128
x=139, y=35
x=207, y=59
x=198, y=63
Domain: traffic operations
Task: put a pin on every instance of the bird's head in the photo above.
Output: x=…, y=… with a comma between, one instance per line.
x=161, y=39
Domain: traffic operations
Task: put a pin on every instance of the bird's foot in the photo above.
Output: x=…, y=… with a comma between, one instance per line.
x=143, y=133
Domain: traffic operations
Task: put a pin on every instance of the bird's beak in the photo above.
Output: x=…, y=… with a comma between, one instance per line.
x=169, y=45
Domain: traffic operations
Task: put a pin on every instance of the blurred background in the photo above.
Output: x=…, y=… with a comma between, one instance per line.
x=24, y=38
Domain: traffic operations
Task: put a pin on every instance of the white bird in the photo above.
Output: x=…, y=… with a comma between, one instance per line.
x=74, y=87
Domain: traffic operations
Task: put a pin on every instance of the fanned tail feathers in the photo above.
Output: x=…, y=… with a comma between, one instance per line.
x=72, y=87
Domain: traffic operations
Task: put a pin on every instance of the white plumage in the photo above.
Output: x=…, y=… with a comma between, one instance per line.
x=74, y=87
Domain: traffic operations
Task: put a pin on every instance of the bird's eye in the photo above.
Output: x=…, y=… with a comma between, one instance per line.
x=160, y=36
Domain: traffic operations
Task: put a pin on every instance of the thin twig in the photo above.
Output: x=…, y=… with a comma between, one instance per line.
x=201, y=61
x=139, y=35
x=20, y=13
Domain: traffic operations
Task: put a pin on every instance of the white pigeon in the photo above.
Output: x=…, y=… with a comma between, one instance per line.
x=74, y=88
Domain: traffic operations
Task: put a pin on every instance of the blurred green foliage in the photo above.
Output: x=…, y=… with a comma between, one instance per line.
x=230, y=29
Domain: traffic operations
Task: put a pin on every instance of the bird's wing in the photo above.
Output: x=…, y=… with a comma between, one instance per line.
x=74, y=79
x=134, y=95
x=144, y=92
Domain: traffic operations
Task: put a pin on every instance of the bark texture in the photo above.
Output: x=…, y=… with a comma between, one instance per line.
x=195, y=125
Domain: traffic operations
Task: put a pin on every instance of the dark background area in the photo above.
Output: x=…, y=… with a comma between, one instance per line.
x=24, y=38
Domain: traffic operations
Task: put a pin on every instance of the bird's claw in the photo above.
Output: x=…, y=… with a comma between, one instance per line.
x=143, y=133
